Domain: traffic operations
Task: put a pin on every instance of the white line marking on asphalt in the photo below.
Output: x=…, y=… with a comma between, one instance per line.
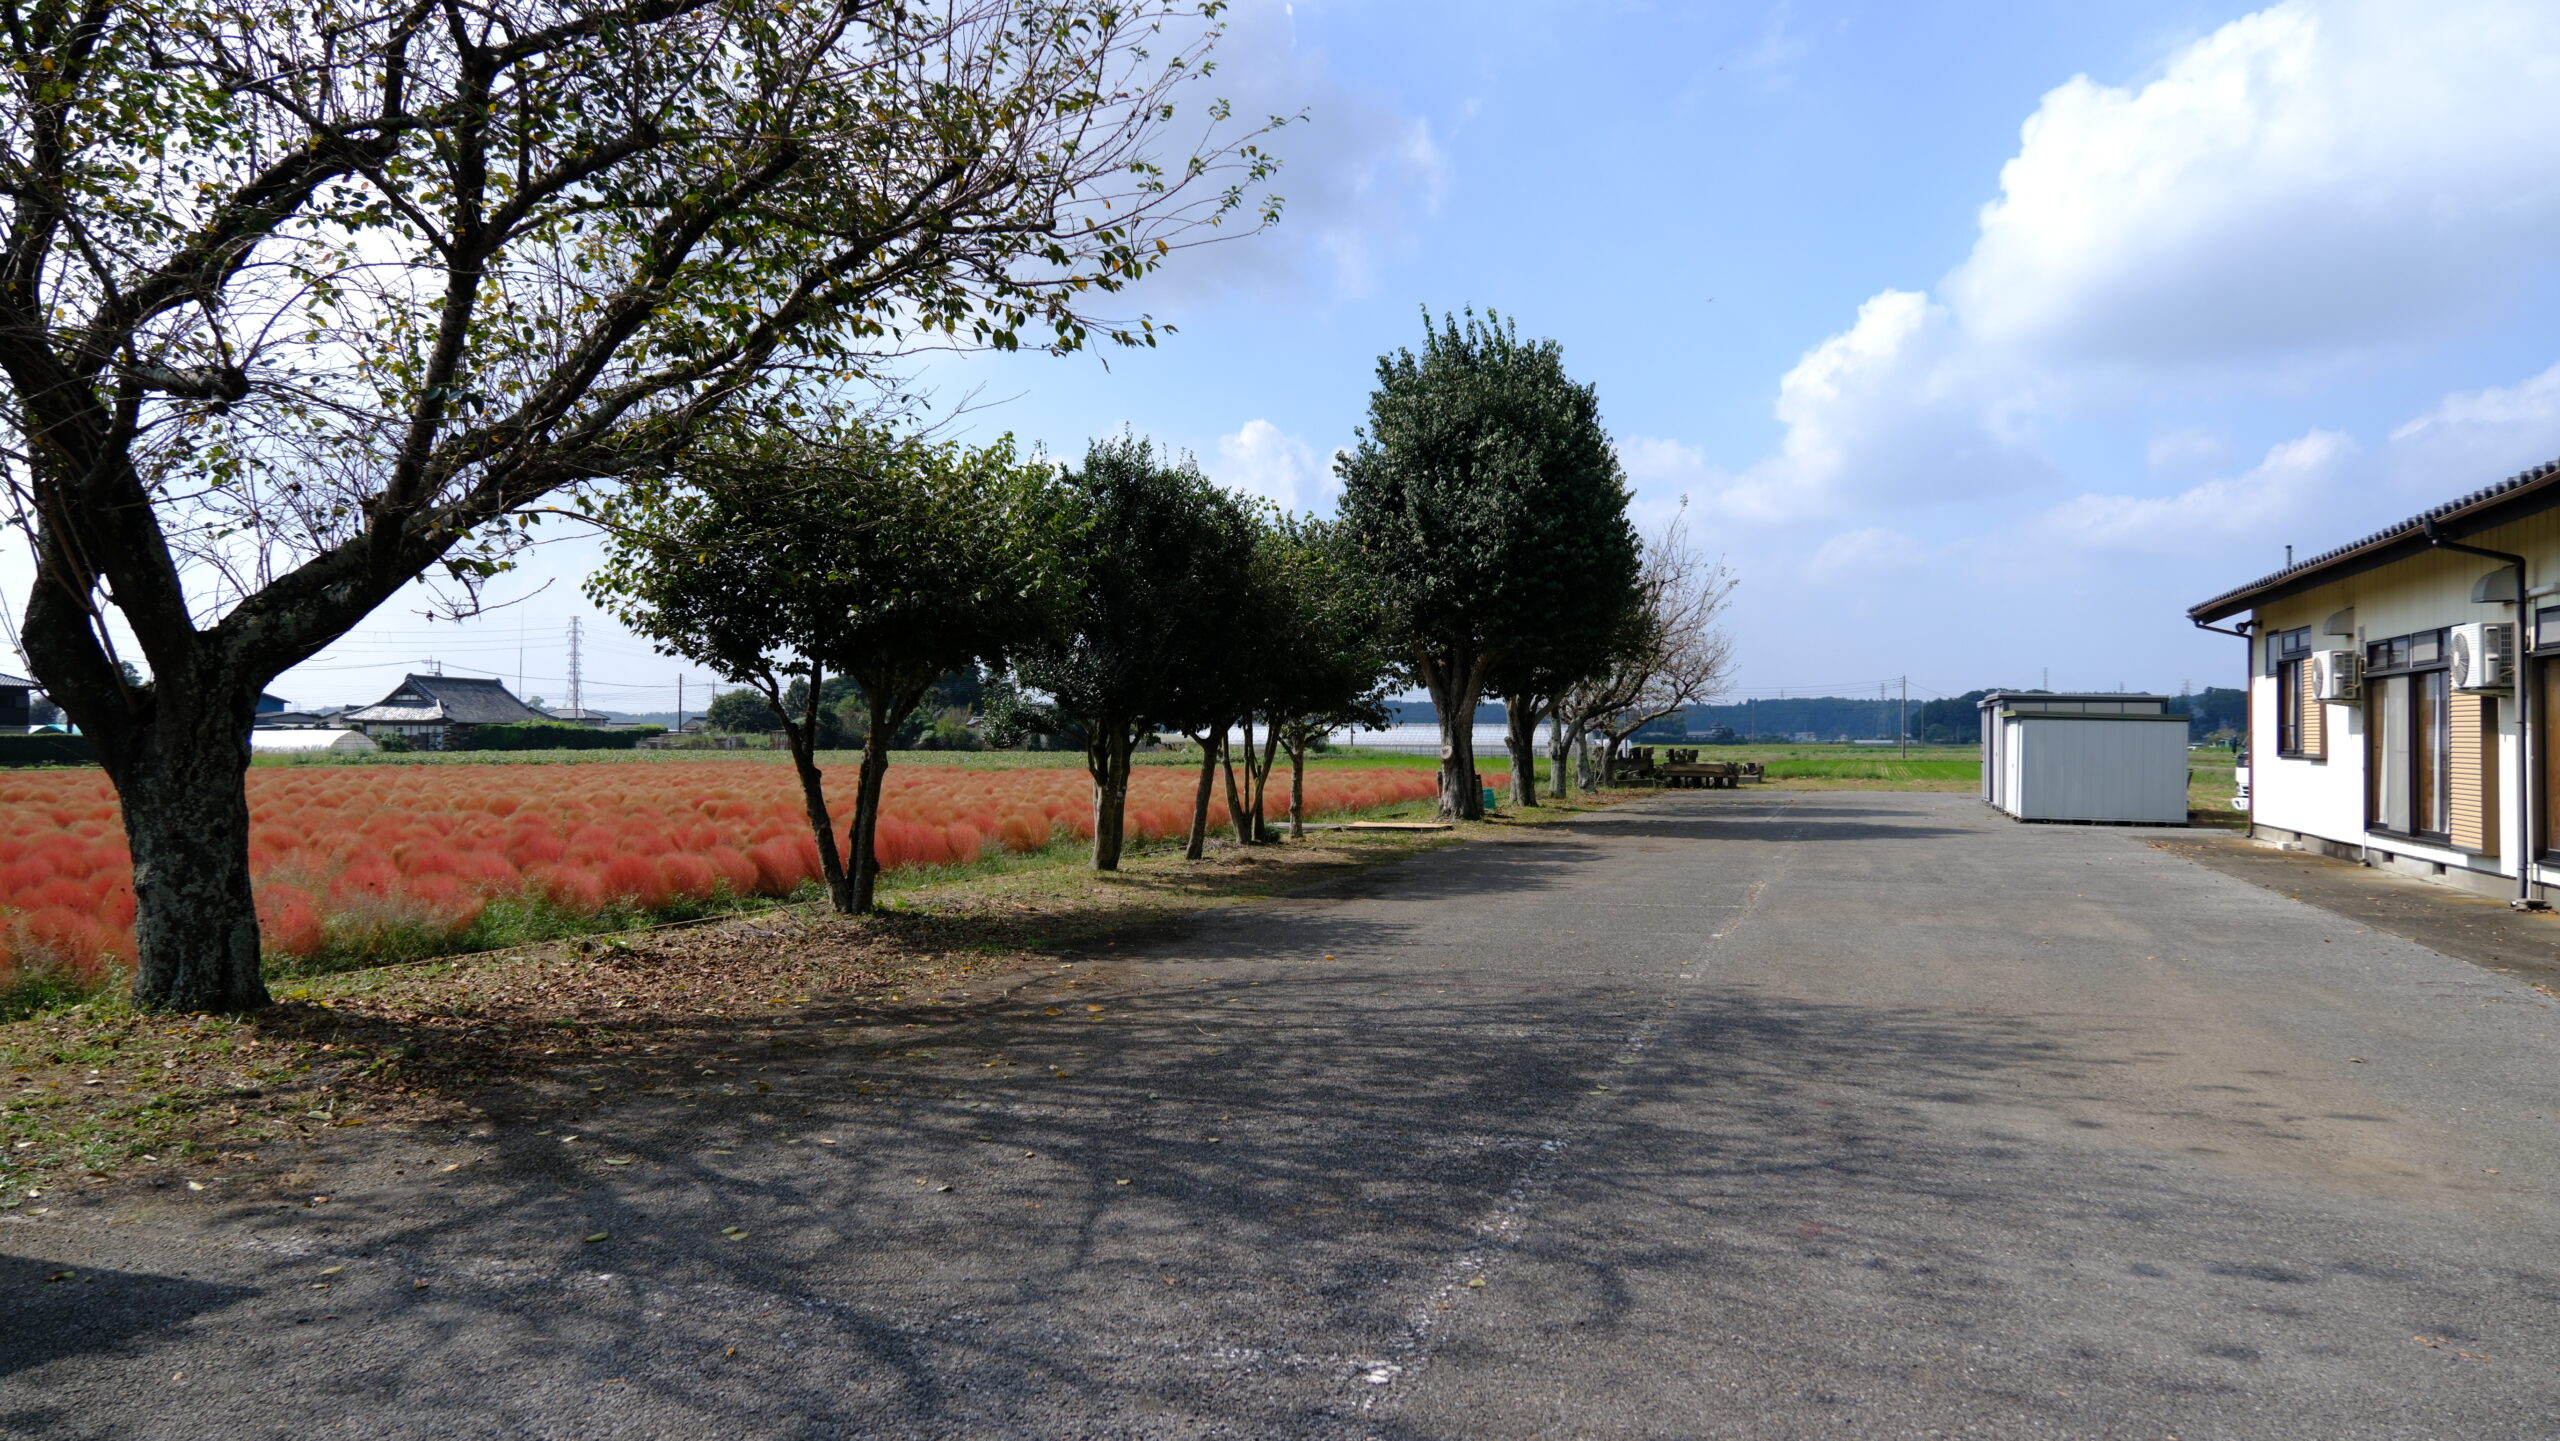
x=1501, y=1225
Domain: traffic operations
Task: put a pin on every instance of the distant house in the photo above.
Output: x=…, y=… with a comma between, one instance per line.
x=272, y=705
x=576, y=716
x=433, y=711
x=15, y=692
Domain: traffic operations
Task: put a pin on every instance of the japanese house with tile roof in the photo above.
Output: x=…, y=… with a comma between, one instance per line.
x=2403, y=689
x=433, y=712
x=16, y=694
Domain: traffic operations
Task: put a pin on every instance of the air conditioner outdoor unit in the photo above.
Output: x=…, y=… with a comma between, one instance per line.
x=2337, y=675
x=2483, y=655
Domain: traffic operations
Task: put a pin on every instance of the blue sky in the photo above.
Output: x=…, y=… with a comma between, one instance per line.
x=1981, y=338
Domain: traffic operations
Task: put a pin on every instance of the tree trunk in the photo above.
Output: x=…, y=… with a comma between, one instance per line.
x=1455, y=681
x=1259, y=773
x=1245, y=826
x=1560, y=757
x=889, y=710
x=1520, y=734
x=813, y=796
x=1210, y=743
x=182, y=781
x=864, y=842
x=1298, y=789
x=1106, y=759
x=800, y=737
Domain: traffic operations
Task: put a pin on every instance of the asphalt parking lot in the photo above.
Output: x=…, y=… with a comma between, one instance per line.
x=1724, y=1114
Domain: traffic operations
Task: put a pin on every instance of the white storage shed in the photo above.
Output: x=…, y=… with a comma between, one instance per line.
x=310, y=742
x=2094, y=759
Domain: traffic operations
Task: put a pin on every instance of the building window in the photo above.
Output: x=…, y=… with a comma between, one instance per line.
x=2301, y=733
x=2409, y=743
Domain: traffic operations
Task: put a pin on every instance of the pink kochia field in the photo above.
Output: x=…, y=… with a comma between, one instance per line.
x=340, y=855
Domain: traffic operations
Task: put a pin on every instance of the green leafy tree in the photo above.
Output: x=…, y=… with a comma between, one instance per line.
x=783, y=560
x=302, y=301
x=742, y=712
x=1331, y=664
x=1222, y=689
x=1489, y=507
x=1165, y=561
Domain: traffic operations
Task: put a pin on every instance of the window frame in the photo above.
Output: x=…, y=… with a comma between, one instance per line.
x=2430, y=746
x=2288, y=655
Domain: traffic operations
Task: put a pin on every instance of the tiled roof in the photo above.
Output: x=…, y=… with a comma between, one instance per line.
x=2532, y=490
x=455, y=700
x=11, y=682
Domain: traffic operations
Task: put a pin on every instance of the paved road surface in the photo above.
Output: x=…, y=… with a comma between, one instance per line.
x=1751, y=1115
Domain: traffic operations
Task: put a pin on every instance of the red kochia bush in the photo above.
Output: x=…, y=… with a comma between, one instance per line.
x=367, y=846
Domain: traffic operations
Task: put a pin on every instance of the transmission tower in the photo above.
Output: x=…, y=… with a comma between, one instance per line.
x=577, y=696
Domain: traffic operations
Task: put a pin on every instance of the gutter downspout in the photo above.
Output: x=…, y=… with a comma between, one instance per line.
x=2248, y=706
x=2524, y=900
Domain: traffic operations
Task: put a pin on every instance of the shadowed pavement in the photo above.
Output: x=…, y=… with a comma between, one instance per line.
x=1741, y=1114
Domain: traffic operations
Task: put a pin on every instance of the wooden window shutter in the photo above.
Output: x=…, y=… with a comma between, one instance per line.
x=2471, y=791
x=2311, y=718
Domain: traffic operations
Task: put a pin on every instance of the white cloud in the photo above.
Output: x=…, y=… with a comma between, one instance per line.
x=1867, y=551
x=2309, y=183
x=1659, y=464
x=2319, y=489
x=2468, y=440
x=1262, y=459
x=2323, y=174
x=1359, y=176
x=2287, y=485
x=1895, y=409
x=2184, y=448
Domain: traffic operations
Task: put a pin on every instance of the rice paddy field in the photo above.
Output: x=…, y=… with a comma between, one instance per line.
x=359, y=864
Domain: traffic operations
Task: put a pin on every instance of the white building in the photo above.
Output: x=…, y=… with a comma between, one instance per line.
x=2099, y=759
x=314, y=741
x=2401, y=690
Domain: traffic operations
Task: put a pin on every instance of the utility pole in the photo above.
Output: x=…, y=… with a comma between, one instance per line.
x=1902, y=727
x=679, y=702
x=577, y=701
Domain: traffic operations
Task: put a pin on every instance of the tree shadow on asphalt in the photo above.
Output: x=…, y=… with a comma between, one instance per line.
x=1129, y=1266
x=55, y=1310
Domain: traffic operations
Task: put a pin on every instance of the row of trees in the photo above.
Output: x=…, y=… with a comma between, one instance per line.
x=303, y=300
x=301, y=303
x=841, y=573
